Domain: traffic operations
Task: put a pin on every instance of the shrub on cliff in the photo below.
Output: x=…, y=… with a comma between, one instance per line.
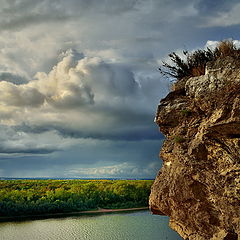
x=195, y=62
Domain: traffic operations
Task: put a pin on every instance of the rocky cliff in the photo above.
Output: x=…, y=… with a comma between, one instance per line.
x=198, y=186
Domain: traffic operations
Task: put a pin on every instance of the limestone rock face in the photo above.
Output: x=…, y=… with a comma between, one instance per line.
x=198, y=186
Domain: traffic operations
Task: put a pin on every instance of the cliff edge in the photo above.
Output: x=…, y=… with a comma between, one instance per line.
x=198, y=186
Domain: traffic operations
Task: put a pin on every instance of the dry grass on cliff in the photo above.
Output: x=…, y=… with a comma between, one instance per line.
x=195, y=63
x=226, y=48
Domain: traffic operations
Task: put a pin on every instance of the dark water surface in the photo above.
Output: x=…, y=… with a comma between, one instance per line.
x=118, y=226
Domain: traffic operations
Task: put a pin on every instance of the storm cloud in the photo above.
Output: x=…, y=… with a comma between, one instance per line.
x=79, y=83
x=82, y=97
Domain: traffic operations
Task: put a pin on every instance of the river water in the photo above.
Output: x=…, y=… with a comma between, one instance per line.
x=139, y=225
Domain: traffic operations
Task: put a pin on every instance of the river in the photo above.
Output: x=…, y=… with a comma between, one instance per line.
x=139, y=225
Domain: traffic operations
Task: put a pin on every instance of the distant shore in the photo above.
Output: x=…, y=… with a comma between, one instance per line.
x=68, y=214
x=104, y=210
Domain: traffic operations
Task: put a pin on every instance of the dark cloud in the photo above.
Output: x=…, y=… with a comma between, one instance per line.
x=24, y=13
x=209, y=7
x=105, y=158
x=129, y=131
x=14, y=142
x=20, y=14
x=30, y=150
x=24, y=21
x=13, y=78
x=127, y=134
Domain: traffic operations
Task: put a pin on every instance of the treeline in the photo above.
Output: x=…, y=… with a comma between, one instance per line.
x=31, y=197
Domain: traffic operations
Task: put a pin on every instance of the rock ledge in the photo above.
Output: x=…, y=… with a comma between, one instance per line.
x=199, y=183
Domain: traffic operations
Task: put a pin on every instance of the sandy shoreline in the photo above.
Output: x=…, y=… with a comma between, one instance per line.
x=103, y=210
x=68, y=214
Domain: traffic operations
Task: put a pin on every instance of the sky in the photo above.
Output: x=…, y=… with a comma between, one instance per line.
x=79, y=81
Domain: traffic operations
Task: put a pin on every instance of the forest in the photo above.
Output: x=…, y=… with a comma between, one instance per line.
x=34, y=197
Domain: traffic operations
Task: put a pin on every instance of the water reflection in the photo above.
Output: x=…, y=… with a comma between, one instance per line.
x=125, y=226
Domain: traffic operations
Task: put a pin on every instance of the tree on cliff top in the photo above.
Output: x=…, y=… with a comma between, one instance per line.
x=195, y=62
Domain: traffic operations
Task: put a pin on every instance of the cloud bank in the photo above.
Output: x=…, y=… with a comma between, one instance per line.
x=79, y=83
x=80, y=97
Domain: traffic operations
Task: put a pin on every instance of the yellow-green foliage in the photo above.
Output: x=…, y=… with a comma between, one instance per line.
x=179, y=139
x=186, y=112
x=26, y=197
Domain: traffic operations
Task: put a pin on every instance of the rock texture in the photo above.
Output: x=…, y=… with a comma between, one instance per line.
x=199, y=183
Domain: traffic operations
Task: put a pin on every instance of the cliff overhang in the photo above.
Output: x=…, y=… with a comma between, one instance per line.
x=198, y=186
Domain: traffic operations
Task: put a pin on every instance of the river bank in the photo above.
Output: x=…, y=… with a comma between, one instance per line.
x=68, y=214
